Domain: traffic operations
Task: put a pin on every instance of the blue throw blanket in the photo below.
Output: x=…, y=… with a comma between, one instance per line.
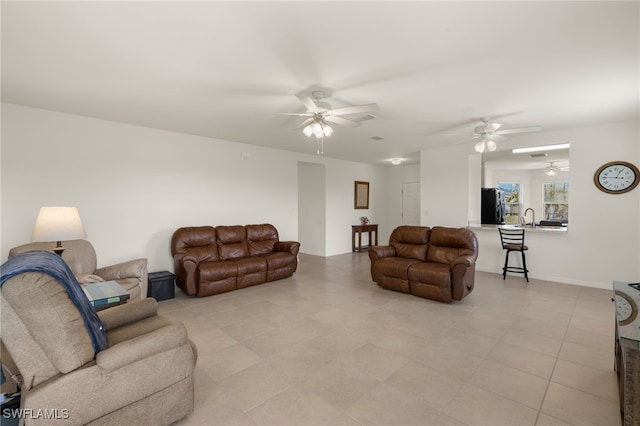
x=51, y=264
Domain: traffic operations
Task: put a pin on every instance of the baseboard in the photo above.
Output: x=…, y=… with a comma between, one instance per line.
x=562, y=280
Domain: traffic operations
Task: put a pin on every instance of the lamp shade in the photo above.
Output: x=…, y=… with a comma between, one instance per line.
x=58, y=224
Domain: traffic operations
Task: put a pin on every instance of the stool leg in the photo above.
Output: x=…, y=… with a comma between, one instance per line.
x=524, y=266
x=506, y=262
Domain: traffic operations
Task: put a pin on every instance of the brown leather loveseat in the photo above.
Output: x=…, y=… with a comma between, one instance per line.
x=210, y=260
x=436, y=263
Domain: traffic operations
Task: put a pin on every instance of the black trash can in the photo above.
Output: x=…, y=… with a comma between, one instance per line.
x=161, y=285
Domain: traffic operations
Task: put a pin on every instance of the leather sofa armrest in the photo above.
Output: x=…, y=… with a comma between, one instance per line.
x=289, y=246
x=379, y=252
x=128, y=313
x=132, y=269
x=139, y=348
x=463, y=260
x=186, y=269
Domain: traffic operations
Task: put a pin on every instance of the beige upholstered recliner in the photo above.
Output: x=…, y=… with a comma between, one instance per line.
x=144, y=376
x=81, y=258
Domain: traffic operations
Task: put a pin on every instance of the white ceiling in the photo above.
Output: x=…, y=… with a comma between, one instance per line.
x=225, y=70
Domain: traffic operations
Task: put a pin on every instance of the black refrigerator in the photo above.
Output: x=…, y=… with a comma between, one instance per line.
x=493, y=206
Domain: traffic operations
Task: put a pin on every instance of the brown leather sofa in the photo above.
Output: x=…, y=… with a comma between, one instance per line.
x=436, y=263
x=210, y=260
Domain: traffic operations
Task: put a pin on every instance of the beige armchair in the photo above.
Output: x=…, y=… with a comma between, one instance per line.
x=143, y=376
x=81, y=258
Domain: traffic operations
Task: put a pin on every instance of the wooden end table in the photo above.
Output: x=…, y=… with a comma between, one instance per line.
x=359, y=229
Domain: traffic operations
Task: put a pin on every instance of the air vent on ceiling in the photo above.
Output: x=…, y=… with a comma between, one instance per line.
x=377, y=138
x=539, y=155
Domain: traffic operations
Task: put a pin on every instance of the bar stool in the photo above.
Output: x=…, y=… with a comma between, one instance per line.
x=513, y=240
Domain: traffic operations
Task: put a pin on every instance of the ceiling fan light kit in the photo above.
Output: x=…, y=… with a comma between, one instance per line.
x=485, y=145
x=318, y=128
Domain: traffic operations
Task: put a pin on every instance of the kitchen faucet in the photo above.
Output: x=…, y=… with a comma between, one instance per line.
x=533, y=216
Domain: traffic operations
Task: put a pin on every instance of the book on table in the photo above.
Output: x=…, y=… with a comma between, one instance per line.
x=105, y=294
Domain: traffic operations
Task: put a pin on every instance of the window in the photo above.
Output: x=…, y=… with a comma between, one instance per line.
x=556, y=201
x=512, y=201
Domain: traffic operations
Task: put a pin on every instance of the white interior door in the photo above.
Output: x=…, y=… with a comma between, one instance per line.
x=411, y=203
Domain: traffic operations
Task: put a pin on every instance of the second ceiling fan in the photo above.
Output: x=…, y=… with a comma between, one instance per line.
x=489, y=133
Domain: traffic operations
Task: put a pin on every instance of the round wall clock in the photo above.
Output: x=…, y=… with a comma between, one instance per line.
x=617, y=177
x=626, y=308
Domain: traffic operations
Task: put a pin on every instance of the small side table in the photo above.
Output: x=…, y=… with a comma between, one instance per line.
x=161, y=285
x=359, y=229
x=105, y=294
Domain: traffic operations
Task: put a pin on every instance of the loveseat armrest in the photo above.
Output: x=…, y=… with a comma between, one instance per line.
x=130, y=351
x=380, y=252
x=464, y=260
x=132, y=269
x=128, y=313
x=289, y=246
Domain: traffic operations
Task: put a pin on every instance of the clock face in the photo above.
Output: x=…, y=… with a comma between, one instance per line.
x=626, y=308
x=617, y=177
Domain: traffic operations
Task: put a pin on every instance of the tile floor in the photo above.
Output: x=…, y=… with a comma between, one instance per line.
x=329, y=347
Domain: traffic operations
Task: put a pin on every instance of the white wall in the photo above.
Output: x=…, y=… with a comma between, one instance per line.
x=603, y=241
x=134, y=186
x=312, y=208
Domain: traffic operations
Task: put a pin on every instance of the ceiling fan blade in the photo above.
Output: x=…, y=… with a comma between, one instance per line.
x=308, y=102
x=519, y=130
x=305, y=123
x=355, y=109
x=342, y=121
x=365, y=118
x=466, y=140
x=299, y=114
x=496, y=137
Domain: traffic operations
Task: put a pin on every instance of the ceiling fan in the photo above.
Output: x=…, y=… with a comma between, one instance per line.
x=320, y=113
x=489, y=133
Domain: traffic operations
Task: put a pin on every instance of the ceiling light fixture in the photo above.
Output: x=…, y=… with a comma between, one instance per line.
x=318, y=128
x=551, y=170
x=540, y=148
x=396, y=161
x=485, y=145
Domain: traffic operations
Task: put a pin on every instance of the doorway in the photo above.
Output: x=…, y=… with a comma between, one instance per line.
x=411, y=203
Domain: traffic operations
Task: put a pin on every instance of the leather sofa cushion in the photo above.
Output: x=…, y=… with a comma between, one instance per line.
x=232, y=242
x=277, y=260
x=396, y=267
x=197, y=241
x=216, y=271
x=447, y=244
x=249, y=265
x=438, y=274
x=410, y=242
x=261, y=238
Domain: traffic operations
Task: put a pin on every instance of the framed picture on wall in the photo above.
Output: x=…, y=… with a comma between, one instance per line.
x=361, y=195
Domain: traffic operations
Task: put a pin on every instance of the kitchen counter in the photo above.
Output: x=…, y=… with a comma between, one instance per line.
x=537, y=229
